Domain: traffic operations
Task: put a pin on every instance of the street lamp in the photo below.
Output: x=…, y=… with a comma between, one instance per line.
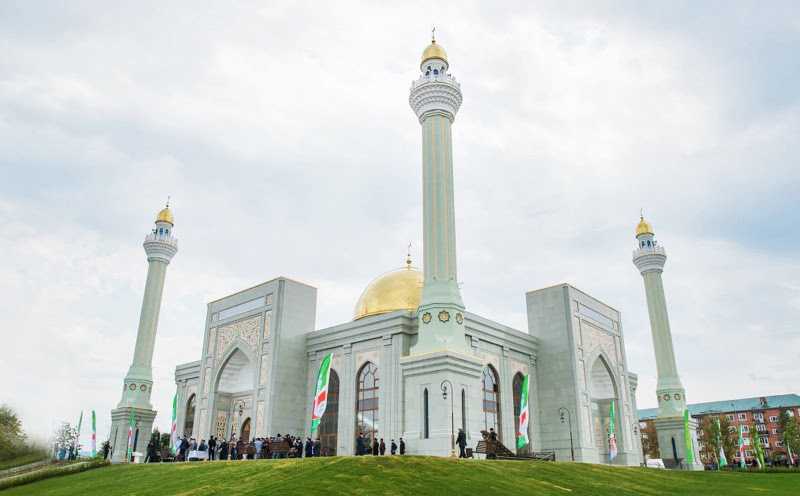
x=568, y=421
x=444, y=385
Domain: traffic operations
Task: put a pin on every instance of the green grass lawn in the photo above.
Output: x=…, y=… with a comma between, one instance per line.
x=406, y=475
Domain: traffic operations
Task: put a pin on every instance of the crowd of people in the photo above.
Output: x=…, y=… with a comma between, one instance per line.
x=280, y=446
x=376, y=446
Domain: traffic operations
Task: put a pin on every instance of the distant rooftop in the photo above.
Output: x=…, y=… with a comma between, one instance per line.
x=744, y=404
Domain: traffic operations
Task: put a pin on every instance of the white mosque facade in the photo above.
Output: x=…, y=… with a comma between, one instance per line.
x=413, y=363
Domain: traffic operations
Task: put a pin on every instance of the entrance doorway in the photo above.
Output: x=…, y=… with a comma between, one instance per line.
x=245, y=434
x=329, y=423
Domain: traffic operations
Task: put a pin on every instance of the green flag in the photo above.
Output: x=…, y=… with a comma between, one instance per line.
x=77, y=443
x=687, y=438
x=722, y=461
x=321, y=393
x=131, y=425
x=757, y=446
x=612, y=436
x=174, y=431
x=522, y=432
x=94, y=435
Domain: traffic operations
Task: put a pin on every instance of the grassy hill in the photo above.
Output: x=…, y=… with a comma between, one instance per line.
x=407, y=475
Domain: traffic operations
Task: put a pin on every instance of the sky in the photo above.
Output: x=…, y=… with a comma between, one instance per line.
x=283, y=135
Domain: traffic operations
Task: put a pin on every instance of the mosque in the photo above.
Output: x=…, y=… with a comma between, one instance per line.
x=413, y=362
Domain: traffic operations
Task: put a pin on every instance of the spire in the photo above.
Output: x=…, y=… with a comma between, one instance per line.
x=408, y=255
x=433, y=34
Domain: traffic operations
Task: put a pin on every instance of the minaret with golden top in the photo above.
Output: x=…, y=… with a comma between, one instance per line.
x=160, y=246
x=435, y=98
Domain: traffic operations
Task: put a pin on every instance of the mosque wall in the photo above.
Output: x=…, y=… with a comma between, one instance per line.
x=582, y=369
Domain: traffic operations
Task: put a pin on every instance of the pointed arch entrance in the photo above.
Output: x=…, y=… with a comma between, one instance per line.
x=516, y=387
x=244, y=434
x=329, y=423
x=188, y=420
x=233, y=389
x=603, y=392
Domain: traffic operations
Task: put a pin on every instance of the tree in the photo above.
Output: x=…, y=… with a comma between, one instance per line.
x=730, y=438
x=12, y=438
x=649, y=440
x=710, y=436
x=791, y=431
x=66, y=436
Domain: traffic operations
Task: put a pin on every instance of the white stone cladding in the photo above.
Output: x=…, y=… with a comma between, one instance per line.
x=576, y=334
x=264, y=348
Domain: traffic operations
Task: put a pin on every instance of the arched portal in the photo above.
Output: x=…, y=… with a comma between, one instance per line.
x=491, y=400
x=244, y=435
x=188, y=419
x=368, y=392
x=603, y=392
x=329, y=423
x=234, y=385
x=517, y=390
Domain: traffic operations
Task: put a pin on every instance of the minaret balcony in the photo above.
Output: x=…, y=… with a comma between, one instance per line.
x=435, y=93
x=161, y=247
x=650, y=259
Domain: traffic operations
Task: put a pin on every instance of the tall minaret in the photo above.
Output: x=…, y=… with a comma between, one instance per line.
x=650, y=258
x=160, y=247
x=435, y=98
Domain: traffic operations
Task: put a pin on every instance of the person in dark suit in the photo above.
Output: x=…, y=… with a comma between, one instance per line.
x=212, y=448
x=491, y=445
x=360, y=448
x=382, y=448
x=402, y=446
x=223, y=450
x=184, y=449
x=461, y=441
x=309, y=448
x=393, y=447
x=374, y=447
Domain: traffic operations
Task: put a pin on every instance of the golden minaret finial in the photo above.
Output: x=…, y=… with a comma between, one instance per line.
x=408, y=257
x=433, y=34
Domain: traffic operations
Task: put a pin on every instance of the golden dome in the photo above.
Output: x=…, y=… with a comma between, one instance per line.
x=434, y=51
x=165, y=215
x=643, y=227
x=400, y=289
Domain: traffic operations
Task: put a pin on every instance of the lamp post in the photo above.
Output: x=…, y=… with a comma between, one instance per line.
x=444, y=385
x=568, y=420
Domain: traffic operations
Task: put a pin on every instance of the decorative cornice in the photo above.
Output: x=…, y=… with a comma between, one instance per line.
x=650, y=259
x=430, y=95
x=160, y=247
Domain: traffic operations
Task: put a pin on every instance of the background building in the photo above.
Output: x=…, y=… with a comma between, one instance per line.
x=759, y=417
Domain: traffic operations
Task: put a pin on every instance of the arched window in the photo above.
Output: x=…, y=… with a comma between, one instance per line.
x=367, y=404
x=517, y=389
x=329, y=423
x=425, y=418
x=491, y=400
x=188, y=419
x=464, y=410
